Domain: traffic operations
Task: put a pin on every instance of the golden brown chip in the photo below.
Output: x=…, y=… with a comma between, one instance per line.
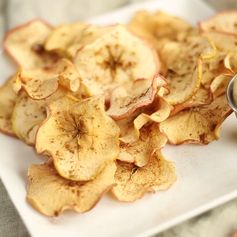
x=52, y=194
x=7, y=102
x=201, y=97
x=28, y=114
x=80, y=137
x=25, y=44
x=116, y=58
x=183, y=63
x=40, y=83
x=197, y=125
x=139, y=152
x=183, y=87
x=224, y=22
x=158, y=27
x=219, y=84
x=157, y=112
x=133, y=182
x=223, y=43
x=124, y=101
x=212, y=68
x=63, y=37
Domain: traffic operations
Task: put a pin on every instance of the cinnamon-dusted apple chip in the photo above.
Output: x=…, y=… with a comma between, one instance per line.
x=80, y=137
x=223, y=22
x=139, y=152
x=63, y=36
x=40, y=83
x=183, y=87
x=7, y=102
x=219, y=84
x=124, y=101
x=28, y=114
x=25, y=44
x=115, y=58
x=201, y=97
x=184, y=69
x=52, y=194
x=197, y=125
x=133, y=182
x=158, y=27
x=157, y=112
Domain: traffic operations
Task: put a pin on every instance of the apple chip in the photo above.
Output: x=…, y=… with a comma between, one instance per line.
x=63, y=36
x=162, y=111
x=52, y=194
x=223, y=22
x=139, y=152
x=158, y=27
x=40, y=83
x=197, y=125
x=7, y=102
x=25, y=44
x=28, y=114
x=80, y=137
x=133, y=182
x=219, y=84
x=157, y=111
x=115, y=58
x=183, y=87
x=203, y=96
x=124, y=102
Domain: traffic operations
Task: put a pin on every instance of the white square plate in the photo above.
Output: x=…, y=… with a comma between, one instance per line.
x=206, y=174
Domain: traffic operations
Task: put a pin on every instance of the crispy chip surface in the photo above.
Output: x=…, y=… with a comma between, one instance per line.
x=124, y=102
x=81, y=138
x=158, y=27
x=7, y=102
x=133, y=182
x=25, y=44
x=52, y=194
x=63, y=37
x=139, y=152
x=197, y=125
x=115, y=58
x=28, y=114
x=224, y=22
x=40, y=83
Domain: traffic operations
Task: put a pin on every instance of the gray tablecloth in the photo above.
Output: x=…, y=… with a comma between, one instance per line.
x=220, y=222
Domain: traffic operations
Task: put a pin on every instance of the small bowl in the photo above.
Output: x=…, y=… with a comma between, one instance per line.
x=229, y=94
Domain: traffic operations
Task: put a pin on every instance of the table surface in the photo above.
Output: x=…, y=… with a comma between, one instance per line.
x=219, y=222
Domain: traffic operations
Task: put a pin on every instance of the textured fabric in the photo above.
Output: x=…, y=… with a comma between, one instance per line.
x=220, y=222
x=10, y=222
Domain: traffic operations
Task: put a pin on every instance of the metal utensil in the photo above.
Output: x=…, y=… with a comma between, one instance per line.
x=230, y=95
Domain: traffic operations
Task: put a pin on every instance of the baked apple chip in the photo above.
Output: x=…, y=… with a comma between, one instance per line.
x=28, y=114
x=183, y=87
x=25, y=44
x=7, y=102
x=79, y=136
x=124, y=101
x=202, y=97
x=63, y=36
x=139, y=152
x=158, y=27
x=156, y=112
x=40, y=83
x=197, y=125
x=52, y=194
x=115, y=58
x=219, y=84
x=223, y=22
x=133, y=182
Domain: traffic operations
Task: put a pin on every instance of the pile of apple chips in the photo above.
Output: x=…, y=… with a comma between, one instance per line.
x=99, y=103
